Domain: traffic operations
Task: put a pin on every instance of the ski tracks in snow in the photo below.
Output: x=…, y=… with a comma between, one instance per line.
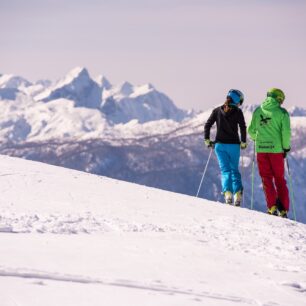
x=40, y=276
x=299, y=286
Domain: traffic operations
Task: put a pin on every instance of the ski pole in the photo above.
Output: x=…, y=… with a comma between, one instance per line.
x=242, y=174
x=291, y=189
x=253, y=170
x=204, y=171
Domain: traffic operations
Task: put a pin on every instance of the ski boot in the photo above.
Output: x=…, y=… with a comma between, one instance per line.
x=281, y=211
x=237, y=198
x=228, y=197
x=272, y=210
x=283, y=214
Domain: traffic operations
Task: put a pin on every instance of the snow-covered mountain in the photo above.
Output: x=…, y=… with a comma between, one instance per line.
x=117, y=104
x=12, y=86
x=120, y=103
x=70, y=238
x=122, y=138
x=77, y=86
x=12, y=81
x=126, y=102
x=103, y=82
x=297, y=111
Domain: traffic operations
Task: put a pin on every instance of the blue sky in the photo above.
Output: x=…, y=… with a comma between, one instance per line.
x=193, y=50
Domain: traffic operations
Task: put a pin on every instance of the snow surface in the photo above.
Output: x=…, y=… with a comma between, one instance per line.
x=71, y=238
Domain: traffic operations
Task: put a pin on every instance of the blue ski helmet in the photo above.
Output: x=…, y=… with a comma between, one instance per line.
x=236, y=96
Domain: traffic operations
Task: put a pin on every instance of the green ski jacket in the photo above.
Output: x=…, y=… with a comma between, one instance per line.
x=270, y=127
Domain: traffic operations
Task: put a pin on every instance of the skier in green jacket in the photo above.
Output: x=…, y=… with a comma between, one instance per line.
x=270, y=129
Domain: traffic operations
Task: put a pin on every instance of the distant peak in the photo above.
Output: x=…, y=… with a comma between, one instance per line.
x=13, y=81
x=149, y=86
x=126, y=88
x=103, y=82
x=126, y=85
x=76, y=73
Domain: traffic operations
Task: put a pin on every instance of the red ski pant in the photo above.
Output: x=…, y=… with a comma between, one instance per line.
x=272, y=171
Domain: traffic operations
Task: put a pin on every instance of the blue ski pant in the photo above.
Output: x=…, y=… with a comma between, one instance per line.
x=228, y=157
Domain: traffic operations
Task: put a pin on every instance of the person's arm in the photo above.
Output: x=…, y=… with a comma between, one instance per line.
x=286, y=131
x=252, y=130
x=242, y=127
x=209, y=123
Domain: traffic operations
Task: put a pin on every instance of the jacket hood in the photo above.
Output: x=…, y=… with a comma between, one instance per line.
x=228, y=113
x=270, y=104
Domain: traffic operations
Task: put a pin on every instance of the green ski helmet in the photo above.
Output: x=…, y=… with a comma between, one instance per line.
x=276, y=94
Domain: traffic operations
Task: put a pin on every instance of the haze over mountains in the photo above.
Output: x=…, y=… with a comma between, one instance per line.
x=128, y=132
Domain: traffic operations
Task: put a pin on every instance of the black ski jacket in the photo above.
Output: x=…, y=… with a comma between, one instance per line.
x=227, y=125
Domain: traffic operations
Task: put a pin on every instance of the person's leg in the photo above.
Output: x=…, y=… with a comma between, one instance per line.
x=278, y=168
x=234, y=153
x=224, y=163
x=266, y=173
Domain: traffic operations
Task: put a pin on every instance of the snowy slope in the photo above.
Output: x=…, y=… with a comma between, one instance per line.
x=70, y=238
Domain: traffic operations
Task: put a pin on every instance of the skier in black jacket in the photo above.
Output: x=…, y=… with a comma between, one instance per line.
x=227, y=143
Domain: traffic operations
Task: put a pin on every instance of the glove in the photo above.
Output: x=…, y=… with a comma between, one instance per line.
x=208, y=143
x=285, y=152
x=243, y=145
